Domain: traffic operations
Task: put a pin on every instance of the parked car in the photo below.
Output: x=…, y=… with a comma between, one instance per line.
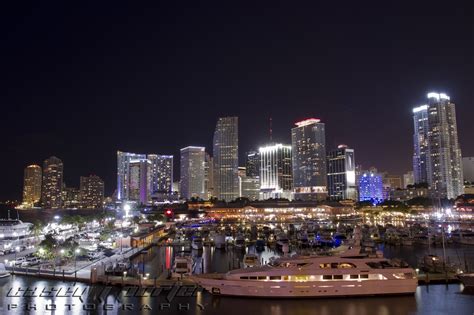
x=30, y=262
x=20, y=260
x=94, y=255
x=2, y=252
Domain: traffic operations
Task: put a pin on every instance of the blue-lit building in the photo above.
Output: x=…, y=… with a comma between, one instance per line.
x=371, y=187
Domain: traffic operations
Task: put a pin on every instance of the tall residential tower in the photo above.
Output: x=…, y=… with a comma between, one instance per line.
x=32, y=185
x=192, y=172
x=226, y=159
x=437, y=155
x=308, y=142
x=51, y=192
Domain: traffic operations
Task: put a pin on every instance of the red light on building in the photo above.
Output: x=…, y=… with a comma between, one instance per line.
x=168, y=212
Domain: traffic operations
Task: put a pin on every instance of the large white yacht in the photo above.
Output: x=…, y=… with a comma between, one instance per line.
x=345, y=273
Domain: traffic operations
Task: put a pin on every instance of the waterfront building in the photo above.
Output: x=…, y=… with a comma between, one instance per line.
x=249, y=187
x=140, y=181
x=123, y=173
x=161, y=173
x=371, y=187
x=52, y=184
x=341, y=174
x=252, y=164
x=209, y=176
x=408, y=179
x=32, y=185
x=71, y=197
x=392, y=181
x=92, y=192
x=192, y=172
x=226, y=159
x=468, y=169
x=276, y=179
x=437, y=155
x=308, y=143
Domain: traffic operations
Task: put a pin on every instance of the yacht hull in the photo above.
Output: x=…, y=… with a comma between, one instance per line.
x=311, y=289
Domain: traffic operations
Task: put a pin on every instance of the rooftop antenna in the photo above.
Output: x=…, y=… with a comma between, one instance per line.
x=271, y=129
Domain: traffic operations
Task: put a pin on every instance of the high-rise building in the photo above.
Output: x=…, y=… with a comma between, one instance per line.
x=71, y=197
x=32, y=185
x=392, y=181
x=408, y=179
x=468, y=169
x=437, y=155
x=161, y=173
x=308, y=142
x=92, y=192
x=252, y=165
x=276, y=180
x=209, y=176
x=226, y=159
x=249, y=187
x=140, y=181
x=192, y=172
x=341, y=174
x=371, y=187
x=139, y=176
x=123, y=173
x=52, y=186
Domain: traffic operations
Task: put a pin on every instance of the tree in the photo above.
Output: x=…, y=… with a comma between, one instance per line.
x=36, y=229
x=47, y=247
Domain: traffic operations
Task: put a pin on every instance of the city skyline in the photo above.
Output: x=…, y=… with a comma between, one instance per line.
x=73, y=91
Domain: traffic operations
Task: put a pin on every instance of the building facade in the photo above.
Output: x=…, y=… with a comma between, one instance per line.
x=124, y=159
x=408, y=179
x=437, y=155
x=341, y=176
x=32, y=185
x=192, y=172
x=226, y=159
x=92, y=192
x=276, y=180
x=161, y=173
x=52, y=185
x=308, y=143
x=249, y=187
x=371, y=187
x=209, y=176
x=252, y=164
x=71, y=197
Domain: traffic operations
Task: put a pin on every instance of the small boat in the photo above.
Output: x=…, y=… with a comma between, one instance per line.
x=467, y=279
x=183, y=265
x=239, y=241
x=4, y=273
x=251, y=260
x=196, y=243
x=219, y=241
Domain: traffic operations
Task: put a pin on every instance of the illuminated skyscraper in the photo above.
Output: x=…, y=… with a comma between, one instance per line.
x=276, y=179
x=161, y=173
x=92, y=192
x=371, y=187
x=140, y=181
x=249, y=187
x=123, y=173
x=32, y=185
x=226, y=159
x=209, y=176
x=192, y=172
x=252, y=165
x=308, y=142
x=341, y=174
x=52, y=186
x=437, y=155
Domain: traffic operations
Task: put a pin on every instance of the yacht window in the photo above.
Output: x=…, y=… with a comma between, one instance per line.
x=253, y=278
x=324, y=266
x=262, y=278
x=346, y=265
x=301, y=278
x=334, y=265
x=337, y=277
x=364, y=276
x=302, y=264
x=275, y=277
x=285, y=278
x=244, y=278
x=354, y=277
x=327, y=277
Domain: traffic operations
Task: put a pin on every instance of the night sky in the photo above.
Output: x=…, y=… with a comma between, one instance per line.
x=81, y=82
